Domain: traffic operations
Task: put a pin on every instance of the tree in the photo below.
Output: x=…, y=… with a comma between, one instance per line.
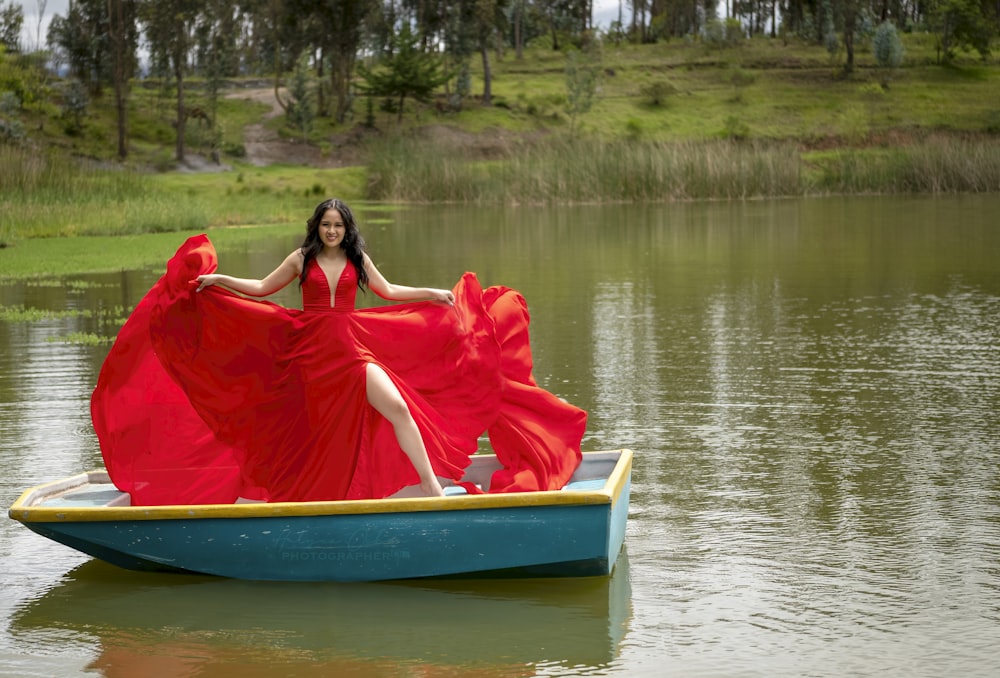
x=581, y=84
x=11, y=21
x=169, y=26
x=336, y=28
x=81, y=40
x=962, y=24
x=488, y=19
x=560, y=18
x=301, y=112
x=75, y=104
x=40, y=6
x=849, y=9
x=888, y=49
x=123, y=37
x=216, y=54
x=407, y=71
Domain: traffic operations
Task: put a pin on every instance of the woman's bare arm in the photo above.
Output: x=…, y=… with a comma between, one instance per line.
x=286, y=272
x=387, y=290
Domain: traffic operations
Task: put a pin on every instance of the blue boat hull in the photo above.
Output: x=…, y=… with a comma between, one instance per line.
x=545, y=535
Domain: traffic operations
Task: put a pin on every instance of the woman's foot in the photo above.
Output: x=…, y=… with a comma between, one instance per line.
x=431, y=488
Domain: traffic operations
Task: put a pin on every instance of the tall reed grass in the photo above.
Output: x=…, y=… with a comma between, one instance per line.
x=43, y=196
x=576, y=171
x=935, y=165
x=46, y=196
x=587, y=171
x=50, y=196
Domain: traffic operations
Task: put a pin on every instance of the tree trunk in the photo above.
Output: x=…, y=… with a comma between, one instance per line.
x=518, y=38
x=322, y=108
x=340, y=82
x=849, y=46
x=487, y=75
x=849, y=23
x=121, y=112
x=181, y=112
x=120, y=67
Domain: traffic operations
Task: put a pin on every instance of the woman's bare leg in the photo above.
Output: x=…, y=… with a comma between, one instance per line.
x=385, y=397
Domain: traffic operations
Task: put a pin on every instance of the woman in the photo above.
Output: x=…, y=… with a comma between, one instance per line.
x=208, y=396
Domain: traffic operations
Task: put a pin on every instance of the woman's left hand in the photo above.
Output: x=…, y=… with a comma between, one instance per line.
x=444, y=296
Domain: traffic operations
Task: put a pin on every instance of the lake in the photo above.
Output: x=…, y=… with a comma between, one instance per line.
x=811, y=388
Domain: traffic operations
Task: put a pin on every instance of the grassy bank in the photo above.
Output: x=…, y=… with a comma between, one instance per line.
x=670, y=121
x=629, y=171
x=42, y=258
x=46, y=198
x=48, y=195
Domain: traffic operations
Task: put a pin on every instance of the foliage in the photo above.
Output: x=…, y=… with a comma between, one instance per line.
x=80, y=40
x=169, y=27
x=463, y=87
x=658, y=92
x=11, y=21
x=25, y=77
x=830, y=40
x=337, y=31
x=961, y=25
x=11, y=129
x=887, y=46
x=407, y=71
x=735, y=129
x=740, y=80
x=719, y=34
x=805, y=100
x=581, y=83
x=301, y=110
x=75, y=101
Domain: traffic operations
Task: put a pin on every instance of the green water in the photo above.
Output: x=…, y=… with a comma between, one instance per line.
x=812, y=391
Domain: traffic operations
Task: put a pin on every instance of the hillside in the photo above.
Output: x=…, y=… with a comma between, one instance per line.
x=668, y=122
x=764, y=89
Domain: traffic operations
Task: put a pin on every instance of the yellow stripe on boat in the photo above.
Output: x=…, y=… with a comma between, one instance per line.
x=25, y=511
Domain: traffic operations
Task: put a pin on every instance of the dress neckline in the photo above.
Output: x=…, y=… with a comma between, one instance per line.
x=323, y=295
x=332, y=288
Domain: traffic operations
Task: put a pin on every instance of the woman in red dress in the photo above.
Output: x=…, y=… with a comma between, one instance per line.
x=208, y=396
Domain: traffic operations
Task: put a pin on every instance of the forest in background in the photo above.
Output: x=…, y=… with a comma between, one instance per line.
x=487, y=102
x=346, y=62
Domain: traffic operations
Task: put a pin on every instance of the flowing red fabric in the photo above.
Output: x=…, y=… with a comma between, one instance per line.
x=209, y=396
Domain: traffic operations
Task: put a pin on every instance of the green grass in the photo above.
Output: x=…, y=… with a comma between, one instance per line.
x=44, y=259
x=48, y=196
x=768, y=117
x=565, y=170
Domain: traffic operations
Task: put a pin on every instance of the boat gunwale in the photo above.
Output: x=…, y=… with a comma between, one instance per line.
x=24, y=510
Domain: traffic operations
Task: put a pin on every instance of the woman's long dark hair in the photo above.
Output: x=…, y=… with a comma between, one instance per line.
x=353, y=244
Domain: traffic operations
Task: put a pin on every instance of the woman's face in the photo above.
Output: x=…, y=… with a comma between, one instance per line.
x=332, y=228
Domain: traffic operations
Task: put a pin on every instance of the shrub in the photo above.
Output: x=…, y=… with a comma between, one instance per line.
x=75, y=102
x=887, y=46
x=718, y=34
x=657, y=93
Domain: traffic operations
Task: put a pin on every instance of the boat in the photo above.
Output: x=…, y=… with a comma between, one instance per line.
x=577, y=531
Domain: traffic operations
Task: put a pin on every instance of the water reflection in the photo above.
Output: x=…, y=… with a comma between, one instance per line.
x=185, y=626
x=812, y=390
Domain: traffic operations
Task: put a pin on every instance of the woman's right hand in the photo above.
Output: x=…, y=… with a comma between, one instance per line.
x=206, y=280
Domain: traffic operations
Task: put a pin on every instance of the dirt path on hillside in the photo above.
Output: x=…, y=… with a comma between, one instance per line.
x=265, y=146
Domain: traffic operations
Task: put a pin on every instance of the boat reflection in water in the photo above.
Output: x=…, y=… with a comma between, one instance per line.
x=153, y=624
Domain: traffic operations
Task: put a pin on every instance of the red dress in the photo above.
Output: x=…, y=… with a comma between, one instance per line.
x=208, y=396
